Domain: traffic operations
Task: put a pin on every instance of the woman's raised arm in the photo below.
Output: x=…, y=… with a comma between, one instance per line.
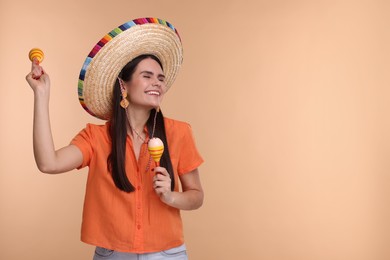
x=47, y=158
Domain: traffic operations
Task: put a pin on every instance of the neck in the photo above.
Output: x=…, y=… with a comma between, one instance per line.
x=137, y=119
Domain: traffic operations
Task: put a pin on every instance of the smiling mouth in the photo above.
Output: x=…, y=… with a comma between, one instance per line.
x=153, y=93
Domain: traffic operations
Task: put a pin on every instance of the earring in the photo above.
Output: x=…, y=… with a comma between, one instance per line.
x=124, y=102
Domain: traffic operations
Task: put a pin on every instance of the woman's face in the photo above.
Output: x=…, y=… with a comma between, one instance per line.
x=147, y=85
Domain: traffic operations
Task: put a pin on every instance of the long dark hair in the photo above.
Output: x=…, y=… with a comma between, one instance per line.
x=116, y=161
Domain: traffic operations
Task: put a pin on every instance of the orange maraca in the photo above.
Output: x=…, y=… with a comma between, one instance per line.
x=36, y=54
x=156, y=149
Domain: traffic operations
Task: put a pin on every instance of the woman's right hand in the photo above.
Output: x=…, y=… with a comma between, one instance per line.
x=38, y=79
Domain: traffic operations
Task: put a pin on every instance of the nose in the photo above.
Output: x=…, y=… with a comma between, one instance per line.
x=157, y=83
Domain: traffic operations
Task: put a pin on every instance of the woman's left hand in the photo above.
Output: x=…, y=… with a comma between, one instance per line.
x=162, y=185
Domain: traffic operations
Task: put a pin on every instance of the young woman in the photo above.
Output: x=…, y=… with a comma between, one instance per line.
x=132, y=207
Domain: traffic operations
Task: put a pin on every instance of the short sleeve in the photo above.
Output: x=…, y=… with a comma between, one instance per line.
x=189, y=157
x=83, y=140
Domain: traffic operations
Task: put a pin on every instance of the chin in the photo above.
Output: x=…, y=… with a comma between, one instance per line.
x=150, y=107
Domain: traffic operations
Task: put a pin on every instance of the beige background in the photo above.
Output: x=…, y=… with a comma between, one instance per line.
x=289, y=105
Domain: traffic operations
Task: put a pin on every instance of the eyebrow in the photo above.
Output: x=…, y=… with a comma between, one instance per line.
x=151, y=73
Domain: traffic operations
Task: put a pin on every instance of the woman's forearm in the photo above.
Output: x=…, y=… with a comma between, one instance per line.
x=44, y=151
x=192, y=195
x=186, y=200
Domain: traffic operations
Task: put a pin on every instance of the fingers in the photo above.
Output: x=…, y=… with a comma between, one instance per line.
x=38, y=83
x=162, y=185
x=37, y=73
x=161, y=170
x=161, y=174
x=162, y=180
x=33, y=76
x=30, y=77
x=34, y=64
x=36, y=70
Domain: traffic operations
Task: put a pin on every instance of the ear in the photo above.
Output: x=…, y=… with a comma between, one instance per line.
x=122, y=85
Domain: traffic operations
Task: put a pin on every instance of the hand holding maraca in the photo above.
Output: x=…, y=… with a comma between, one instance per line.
x=37, y=78
x=36, y=56
x=162, y=180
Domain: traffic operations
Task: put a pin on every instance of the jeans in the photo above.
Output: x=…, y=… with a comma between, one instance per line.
x=176, y=253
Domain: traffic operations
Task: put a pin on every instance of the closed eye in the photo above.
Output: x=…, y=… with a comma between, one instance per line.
x=149, y=74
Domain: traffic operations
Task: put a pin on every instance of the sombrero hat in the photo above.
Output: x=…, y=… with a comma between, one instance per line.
x=105, y=61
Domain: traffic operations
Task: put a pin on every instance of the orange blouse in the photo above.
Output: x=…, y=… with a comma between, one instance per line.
x=137, y=222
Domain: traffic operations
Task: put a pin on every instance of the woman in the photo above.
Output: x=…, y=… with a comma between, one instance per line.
x=132, y=207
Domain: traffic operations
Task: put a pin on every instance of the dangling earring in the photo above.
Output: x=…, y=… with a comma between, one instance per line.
x=124, y=102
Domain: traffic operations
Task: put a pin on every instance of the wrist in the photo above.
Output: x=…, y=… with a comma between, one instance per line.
x=169, y=198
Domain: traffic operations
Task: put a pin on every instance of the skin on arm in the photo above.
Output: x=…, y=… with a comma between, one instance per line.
x=189, y=199
x=47, y=158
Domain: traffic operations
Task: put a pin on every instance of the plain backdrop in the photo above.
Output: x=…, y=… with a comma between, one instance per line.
x=288, y=101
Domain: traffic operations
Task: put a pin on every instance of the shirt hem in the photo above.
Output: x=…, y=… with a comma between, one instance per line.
x=125, y=249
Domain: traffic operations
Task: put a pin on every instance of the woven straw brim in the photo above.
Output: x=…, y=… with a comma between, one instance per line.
x=102, y=70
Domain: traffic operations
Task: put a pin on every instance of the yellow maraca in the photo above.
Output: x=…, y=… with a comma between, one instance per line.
x=36, y=54
x=156, y=149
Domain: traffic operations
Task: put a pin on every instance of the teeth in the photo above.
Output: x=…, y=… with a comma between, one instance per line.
x=153, y=93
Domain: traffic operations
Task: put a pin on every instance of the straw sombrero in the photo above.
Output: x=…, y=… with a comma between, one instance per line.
x=105, y=61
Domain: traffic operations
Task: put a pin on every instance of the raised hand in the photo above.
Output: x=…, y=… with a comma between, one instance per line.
x=38, y=79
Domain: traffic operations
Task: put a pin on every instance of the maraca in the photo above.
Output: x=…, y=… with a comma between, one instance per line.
x=37, y=54
x=156, y=149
